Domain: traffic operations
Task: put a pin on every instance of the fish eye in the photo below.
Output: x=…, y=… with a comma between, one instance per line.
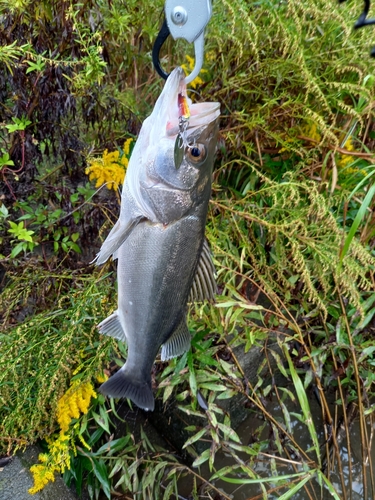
x=196, y=153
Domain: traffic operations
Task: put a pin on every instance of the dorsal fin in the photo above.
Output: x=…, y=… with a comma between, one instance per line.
x=204, y=284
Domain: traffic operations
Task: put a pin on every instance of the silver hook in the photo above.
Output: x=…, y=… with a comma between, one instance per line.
x=187, y=19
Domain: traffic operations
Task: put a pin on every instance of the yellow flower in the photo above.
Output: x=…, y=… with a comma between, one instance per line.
x=101, y=378
x=188, y=68
x=42, y=476
x=312, y=132
x=127, y=145
x=111, y=168
x=75, y=401
x=344, y=160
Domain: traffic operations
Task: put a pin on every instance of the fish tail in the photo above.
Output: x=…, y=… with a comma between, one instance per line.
x=124, y=385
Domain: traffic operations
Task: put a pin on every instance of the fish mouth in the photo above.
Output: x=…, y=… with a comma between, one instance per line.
x=167, y=111
x=201, y=114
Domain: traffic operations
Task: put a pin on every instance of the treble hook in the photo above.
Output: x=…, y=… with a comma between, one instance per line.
x=183, y=19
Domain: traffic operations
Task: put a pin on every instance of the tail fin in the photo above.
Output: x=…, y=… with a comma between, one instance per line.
x=123, y=385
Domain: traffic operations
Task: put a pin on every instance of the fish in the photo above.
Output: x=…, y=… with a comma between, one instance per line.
x=164, y=261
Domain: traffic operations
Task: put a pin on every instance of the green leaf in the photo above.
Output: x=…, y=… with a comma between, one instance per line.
x=302, y=398
x=358, y=219
x=203, y=457
x=227, y=394
x=329, y=485
x=280, y=363
x=4, y=211
x=192, y=379
x=195, y=438
x=5, y=160
x=118, y=464
x=100, y=471
x=102, y=421
x=113, y=446
x=18, y=124
x=18, y=248
x=75, y=247
x=259, y=480
x=296, y=488
x=95, y=436
x=212, y=386
x=229, y=433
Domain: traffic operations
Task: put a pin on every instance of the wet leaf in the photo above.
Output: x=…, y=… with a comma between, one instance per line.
x=229, y=433
x=203, y=457
x=280, y=363
x=296, y=488
x=195, y=438
x=212, y=386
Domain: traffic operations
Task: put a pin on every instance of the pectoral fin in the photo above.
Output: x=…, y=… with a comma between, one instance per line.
x=178, y=342
x=204, y=284
x=111, y=326
x=116, y=238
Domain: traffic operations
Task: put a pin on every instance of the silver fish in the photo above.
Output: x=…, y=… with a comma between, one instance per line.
x=163, y=258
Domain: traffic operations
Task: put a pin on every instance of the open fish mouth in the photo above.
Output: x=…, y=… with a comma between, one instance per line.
x=201, y=114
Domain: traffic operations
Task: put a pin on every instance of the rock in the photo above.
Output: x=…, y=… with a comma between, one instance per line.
x=16, y=479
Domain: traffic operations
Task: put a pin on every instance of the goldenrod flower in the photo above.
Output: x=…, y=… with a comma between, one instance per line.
x=101, y=378
x=111, y=168
x=75, y=401
x=312, y=132
x=42, y=476
x=344, y=160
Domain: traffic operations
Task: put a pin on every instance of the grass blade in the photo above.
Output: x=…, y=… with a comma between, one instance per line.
x=358, y=219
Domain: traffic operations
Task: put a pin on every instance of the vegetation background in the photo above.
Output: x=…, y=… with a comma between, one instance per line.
x=291, y=227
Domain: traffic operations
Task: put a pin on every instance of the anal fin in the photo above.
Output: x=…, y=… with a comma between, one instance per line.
x=204, y=284
x=178, y=342
x=111, y=326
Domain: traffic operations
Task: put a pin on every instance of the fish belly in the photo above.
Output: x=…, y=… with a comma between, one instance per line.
x=156, y=267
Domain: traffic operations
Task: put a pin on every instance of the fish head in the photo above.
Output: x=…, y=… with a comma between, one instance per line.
x=162, y=189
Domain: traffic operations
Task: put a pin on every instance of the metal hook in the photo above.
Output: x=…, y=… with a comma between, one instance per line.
x=160, y=39
x=362, y=21
x=185, y=19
